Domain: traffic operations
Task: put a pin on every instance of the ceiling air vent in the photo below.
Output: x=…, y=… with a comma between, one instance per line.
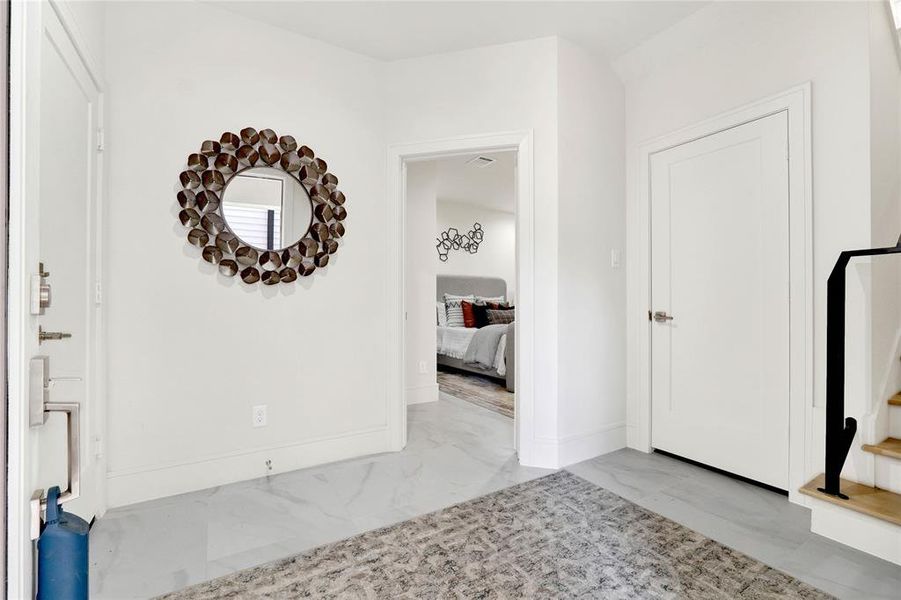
x=480, y=161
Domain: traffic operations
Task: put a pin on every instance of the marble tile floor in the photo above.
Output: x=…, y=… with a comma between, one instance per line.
x=456, y=451
x=750, y=519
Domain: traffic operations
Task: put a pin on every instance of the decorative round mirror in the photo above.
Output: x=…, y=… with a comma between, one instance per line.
x=260, y=206
x=267, y=208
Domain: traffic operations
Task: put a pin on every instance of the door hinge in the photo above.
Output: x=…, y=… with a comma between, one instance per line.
x=98, y=293
x=100, y=140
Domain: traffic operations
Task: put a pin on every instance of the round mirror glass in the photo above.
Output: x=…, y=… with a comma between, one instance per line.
x=267, y=208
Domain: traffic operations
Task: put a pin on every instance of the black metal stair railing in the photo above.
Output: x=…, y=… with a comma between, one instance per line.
x=840, y=430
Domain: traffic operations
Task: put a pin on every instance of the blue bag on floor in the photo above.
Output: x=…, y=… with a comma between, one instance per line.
x=62, y=554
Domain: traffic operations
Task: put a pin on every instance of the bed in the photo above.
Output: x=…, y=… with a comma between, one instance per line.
x=452, y=342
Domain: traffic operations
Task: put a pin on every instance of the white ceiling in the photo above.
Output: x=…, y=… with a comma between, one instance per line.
x=396, y=30
x=488, y=187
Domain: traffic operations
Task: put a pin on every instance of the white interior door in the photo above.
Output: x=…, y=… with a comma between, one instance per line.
x=720, y=269
x=62, y=216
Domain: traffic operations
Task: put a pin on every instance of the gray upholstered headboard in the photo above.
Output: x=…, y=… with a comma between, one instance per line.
x=463, y=285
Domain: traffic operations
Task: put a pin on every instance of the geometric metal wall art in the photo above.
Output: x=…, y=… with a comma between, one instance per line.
x=209, y=172
x=454, y=240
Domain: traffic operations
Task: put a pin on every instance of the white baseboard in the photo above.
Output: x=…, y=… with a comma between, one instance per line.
x=542, y=453
x=576, y=448
x=422, y=393
x=857, y=530
x=633, y=439
x=556, y=454
x=138, y=485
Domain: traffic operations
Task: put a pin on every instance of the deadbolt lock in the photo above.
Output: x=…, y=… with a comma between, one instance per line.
x=40, y=291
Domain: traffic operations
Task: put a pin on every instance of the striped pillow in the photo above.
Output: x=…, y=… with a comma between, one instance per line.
x=501, y=317
x=454, y=307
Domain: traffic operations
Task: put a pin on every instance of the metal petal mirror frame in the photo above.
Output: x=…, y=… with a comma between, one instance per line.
x=209, y=170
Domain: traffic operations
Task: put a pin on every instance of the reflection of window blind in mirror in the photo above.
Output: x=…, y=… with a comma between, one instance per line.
x=251, y=224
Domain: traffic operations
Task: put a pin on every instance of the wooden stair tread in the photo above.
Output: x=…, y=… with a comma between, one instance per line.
x=871, y=501
x=887, y=447
x=895, y=400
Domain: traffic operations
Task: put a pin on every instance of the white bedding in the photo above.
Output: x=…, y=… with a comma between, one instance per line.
x=453, y=342
x=500, y=360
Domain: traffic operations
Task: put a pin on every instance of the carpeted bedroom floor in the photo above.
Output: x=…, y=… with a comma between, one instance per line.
x=477, y=390
x=559, y=536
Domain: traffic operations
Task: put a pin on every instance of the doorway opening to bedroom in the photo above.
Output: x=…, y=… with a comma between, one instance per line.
x=460, y=293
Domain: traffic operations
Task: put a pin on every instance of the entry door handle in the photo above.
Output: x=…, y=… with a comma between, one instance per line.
x=73, y=490
x=662, y=317
x=73, y=435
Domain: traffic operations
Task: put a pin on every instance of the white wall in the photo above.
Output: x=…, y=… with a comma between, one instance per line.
x=191, y=352
x=510, y=87
x=497, y=252
x=592, y=222
x=564, y=96
x=422, y=385
x=730, y=54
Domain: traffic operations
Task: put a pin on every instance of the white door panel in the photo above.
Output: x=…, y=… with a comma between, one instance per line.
x=67, y=209
x=720, y=268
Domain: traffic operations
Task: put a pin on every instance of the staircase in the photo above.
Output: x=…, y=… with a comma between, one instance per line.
x=872, y=501
x=862, y=516
x=890, y=447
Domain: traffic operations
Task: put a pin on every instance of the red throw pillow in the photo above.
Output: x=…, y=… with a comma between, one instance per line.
x=469, y=318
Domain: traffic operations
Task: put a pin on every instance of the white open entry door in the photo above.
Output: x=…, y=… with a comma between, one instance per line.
x=55, y=214
x=720, y=296
x=67, y=244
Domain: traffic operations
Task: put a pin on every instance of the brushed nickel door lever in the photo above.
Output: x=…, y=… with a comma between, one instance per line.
x=662, y=317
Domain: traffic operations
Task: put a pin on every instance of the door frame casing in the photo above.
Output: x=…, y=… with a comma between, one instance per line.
x=4, y=228
x=521, y=143
x=796, y=103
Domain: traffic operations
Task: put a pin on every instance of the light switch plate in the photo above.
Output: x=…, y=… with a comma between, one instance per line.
x=616, y=258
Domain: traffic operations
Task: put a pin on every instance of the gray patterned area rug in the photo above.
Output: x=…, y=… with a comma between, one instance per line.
x=555, y=537
x=478, y=390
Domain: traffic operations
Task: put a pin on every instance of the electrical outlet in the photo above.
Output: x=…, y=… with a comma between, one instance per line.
x=258, y=418
x=423, y=367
